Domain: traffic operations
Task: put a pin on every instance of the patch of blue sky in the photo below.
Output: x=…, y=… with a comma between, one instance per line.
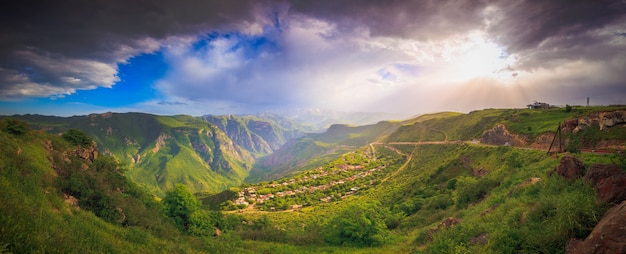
x=137, y=77
x=407, y=68
x=386, y=75
x=251, y=46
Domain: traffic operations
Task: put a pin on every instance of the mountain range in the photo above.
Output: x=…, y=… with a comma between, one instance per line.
x=489, y=181
x=207, y=154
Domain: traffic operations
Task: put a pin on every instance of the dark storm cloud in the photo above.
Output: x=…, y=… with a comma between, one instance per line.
x=524, y=25
x=50, y=48
x=94, y=29
x=423, y=20
x=55, y=47
x=542, y=31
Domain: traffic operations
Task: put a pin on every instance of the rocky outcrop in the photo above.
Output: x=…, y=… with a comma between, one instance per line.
x=543, y=141
x=160, y=142
x=609, y=181
x=613, y=118
x=89, y=153
x=499, y=135
x=601, y=119
x=608, y=236
x=570, y=167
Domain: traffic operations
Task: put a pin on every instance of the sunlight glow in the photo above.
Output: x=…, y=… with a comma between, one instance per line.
x=479, y=58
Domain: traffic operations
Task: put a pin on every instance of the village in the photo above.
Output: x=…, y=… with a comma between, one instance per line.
x=324, y=184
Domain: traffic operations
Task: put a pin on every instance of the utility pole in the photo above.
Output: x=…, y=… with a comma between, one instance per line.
x=557, y=133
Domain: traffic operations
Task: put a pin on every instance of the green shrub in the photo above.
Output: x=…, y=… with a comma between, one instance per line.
x=179, y=205
x=15, y=126
x=360, y=224
x=76, y=137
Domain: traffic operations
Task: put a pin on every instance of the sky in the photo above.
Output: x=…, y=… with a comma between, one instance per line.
x=77, y=57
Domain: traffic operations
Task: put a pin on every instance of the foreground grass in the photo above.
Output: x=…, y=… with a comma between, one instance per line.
x=511, y=213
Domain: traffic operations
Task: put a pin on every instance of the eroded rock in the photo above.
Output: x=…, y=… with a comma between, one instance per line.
x=609, y=181
x=499, y=135
x=570, y=167
x=608, y=236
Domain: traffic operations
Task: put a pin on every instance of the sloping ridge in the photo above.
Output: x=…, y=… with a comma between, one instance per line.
x=162, y=151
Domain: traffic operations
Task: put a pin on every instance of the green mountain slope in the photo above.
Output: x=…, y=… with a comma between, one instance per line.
x=528, y=126
x=440, y=198
x=315, y=149
x=161, y=151
x=387, y=193
x=453, y=127
x=60, y=197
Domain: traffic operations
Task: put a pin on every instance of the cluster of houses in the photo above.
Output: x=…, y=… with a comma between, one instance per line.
x=538, y=105
x=250, y=193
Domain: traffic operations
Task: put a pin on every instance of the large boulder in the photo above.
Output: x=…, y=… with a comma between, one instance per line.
x=609, y=235
x=609, y=181
x=570, y=167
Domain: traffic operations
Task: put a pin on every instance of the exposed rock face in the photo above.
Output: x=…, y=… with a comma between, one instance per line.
x=569, y=125
x=609, y=236
x=499, y=135
x=570, y=167
x=543, y=141
x=87, y=153
x=610, y=119
x=160, y=142
x=609, y=181
x=600, y=119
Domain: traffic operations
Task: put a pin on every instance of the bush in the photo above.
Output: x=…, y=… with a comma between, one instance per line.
x=180, y=205
x=15, y=127
x=77, y=138
x=358, y=225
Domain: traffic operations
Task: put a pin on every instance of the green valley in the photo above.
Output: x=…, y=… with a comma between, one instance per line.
x=482, y=182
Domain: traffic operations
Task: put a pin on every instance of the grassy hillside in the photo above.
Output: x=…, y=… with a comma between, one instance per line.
x=343, y=193
x=527, y=123
x=493, y=199
x=161, y=151
x=453, y=126
x=55, y=201
x=435, y=198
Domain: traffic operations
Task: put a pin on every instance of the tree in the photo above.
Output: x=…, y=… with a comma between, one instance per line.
x=358, y=225
x=76, y=137
x=180, y=205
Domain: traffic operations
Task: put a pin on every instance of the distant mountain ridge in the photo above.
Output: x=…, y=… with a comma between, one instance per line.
x=322, y=119
x=261, y=135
